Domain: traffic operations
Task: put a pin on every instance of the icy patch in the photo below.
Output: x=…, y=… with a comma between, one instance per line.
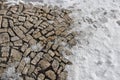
x=27, y=59
x=36, y=47
x=10, y=74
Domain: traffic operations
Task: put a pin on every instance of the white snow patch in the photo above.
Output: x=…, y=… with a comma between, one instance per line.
x=27, y=59
x=36, y=47
x=10, y=74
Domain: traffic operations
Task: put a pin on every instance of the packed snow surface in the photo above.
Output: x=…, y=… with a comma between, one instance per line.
x=97, y=53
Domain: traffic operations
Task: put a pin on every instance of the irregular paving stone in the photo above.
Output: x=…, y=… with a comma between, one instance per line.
x=21, y=66
x=51, y=53
x=63, y=75
x=37, y=32
x=31, y=69
x=44, y=64
x=11, y=32
x=72, y=42
x=21, y=6
x=50, y=33
x=3, y=30
x=60, y=70
x=41, y=77
x=26, y=68
x=15, y=38
x=4, y=37
x=48, y=57
x=50, y=74
x=27, y=51
x=28, y=25
x=55, y=65
x=5, y=23
x=21, y=18
x=67, y=52
x=24, y=47
x=37, y=35
x=32, y=54
x=37, y=58
x=18, y=32
x=23, y=29
x=16, y=55
x=0, y=21
x=18, y=43
x=3, y=12
x=29, y=78
x=36, y=71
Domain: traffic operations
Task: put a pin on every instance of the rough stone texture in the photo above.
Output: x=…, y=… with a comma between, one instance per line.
x=55, y=65
x=21, y=18
x=63, y=75
x=41, y=77
x=31, y=39
x=4, y=37
x=3, y=12
x=0, y=21
x=16, y=55
x=51, y=74
x=44, y=64
x=5, y=23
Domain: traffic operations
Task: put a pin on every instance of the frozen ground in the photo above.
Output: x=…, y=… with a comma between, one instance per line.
x=97, y=54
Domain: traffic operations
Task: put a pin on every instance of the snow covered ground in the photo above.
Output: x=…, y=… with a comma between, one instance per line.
x=97, y=54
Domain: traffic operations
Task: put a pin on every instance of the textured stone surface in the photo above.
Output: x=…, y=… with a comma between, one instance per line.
x=4, y=37
x=31, y=40
x=44, y=64
x=51, y=74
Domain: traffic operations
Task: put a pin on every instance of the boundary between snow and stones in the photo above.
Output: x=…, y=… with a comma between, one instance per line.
x=68, y=37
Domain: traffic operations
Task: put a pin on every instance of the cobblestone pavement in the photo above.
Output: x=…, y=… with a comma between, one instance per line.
x=33, y=40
